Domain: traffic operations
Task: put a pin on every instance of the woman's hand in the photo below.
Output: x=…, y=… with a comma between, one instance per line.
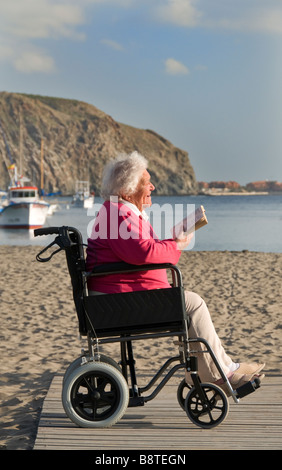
x=183, y=240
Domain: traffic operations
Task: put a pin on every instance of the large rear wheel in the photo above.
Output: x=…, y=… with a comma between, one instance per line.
x=78, y=362
x=95, y=395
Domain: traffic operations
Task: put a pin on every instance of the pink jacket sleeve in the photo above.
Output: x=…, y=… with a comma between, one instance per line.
x=137, y=243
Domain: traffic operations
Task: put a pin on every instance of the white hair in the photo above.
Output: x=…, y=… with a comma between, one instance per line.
x=122, y=175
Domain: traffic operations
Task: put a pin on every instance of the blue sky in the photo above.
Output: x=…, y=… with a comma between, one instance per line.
x=205, y=74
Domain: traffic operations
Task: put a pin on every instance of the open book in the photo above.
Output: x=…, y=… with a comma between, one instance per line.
x=190, y=224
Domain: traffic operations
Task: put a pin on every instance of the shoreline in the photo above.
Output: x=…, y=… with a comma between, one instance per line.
x=251, y=193
x=39, y=335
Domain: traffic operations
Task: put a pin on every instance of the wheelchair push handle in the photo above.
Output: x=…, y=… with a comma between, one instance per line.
x=63, y=231
x=64, y=239
x=46, y=231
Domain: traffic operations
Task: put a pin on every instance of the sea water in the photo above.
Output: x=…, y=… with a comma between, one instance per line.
x=235, y=223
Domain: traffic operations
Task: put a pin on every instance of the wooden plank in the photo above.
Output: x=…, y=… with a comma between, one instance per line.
x=254, y=423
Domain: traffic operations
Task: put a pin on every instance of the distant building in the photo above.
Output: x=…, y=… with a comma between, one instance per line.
x=223, y=185
x=264, y=186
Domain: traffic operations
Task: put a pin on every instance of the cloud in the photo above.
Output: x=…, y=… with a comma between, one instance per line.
x=179, y=12
x=174, y=67
x=112, y=44
x=23, y=22
x=6, y=51
x=49, y=18
x=253, y=16
x=26, y=58
x=261, y=20
x=41, y=18
x=34, y=61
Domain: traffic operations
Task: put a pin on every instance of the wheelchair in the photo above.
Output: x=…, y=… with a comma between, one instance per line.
x=96, y=389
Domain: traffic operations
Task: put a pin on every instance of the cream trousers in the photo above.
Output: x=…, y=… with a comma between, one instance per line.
x=201, y=326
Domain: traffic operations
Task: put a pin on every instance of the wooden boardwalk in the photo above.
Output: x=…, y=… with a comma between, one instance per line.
x=254, y=423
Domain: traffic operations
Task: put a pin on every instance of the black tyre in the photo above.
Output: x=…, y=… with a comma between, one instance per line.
x=210, y=412
x=78, y=363
x=95, y=395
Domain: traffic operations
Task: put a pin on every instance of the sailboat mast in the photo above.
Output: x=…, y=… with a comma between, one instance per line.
x=21, y=144
x=41, y=171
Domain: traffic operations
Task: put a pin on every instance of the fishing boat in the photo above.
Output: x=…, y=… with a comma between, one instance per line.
x=83, y=197
x=22, y=208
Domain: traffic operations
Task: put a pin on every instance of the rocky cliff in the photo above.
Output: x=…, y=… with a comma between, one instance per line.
x=78, y=139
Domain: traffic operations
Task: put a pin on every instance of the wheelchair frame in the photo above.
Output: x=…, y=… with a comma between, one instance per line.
x=115, y=318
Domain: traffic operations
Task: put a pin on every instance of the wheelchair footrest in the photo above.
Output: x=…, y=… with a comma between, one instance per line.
x=248, y=388
x=136, y=401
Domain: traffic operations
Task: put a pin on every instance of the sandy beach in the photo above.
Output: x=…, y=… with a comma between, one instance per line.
x=39, y=334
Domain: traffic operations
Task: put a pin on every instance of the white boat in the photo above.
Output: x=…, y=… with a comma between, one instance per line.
x=83, y=197
x=23, y=208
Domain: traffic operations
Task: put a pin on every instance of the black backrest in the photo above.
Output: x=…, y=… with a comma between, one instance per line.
x=76, y=267
x=70, y=240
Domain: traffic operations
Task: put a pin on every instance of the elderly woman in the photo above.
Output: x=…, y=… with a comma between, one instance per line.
x=121, y=232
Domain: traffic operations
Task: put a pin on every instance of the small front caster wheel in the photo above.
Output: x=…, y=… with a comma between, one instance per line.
x=207, y=411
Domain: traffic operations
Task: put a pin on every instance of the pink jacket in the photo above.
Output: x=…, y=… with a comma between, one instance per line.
x=120, y=233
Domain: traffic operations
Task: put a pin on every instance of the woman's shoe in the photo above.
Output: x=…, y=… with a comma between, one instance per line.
x=249, y=368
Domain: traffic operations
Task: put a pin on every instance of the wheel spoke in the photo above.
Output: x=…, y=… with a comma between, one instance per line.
x=99, y=399
x=95, y=395
x=109, y=397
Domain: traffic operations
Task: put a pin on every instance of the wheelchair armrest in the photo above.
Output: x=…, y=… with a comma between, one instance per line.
x=111, y=268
